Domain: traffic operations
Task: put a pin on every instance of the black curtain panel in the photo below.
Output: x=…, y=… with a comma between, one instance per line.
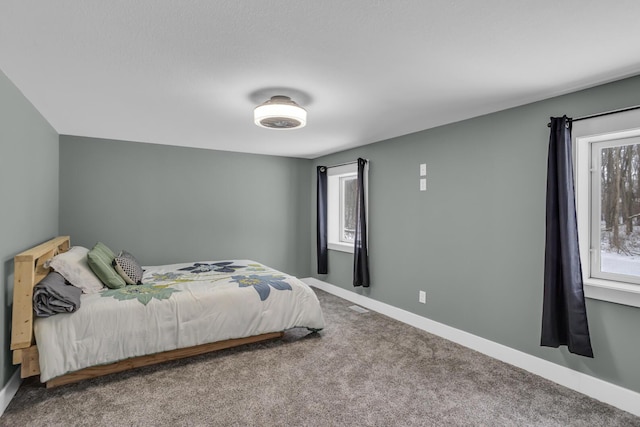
x=360, y=254
x=321, y=241
x=564, y=315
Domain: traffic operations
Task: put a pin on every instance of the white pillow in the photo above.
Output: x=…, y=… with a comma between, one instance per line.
x=73, y=266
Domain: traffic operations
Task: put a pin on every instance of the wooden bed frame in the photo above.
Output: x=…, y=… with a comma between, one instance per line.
x=29, y=269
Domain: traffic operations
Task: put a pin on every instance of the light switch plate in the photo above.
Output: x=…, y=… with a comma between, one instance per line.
x=423, y=169
x=422, y=297
x=423, y=184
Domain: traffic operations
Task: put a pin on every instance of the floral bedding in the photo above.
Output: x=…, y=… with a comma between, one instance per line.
x=177, y=306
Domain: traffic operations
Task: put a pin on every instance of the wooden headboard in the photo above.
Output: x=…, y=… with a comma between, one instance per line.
x=29, y=269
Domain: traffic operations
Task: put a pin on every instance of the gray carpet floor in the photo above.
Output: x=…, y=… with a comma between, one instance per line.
x=362, y=370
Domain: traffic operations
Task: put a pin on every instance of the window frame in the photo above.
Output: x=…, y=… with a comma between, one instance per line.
x=585, y=135
x=335, y=176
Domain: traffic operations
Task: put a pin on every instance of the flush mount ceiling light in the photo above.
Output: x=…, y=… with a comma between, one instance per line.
x=280, y=112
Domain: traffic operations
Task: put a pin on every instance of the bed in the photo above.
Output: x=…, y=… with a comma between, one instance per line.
x=180, y=310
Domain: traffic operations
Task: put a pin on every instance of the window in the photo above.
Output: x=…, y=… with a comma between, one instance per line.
x=342, y=186
x=615, y=208
x=607, y=165
x=348, y=198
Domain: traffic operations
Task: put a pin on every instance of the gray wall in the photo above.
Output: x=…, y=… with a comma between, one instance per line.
x=28, y=194
x=170, y=204
x=474, y=241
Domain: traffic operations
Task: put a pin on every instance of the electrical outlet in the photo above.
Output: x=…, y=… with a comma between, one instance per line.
x=422, y=297
x=423, y=184
x=423, y=169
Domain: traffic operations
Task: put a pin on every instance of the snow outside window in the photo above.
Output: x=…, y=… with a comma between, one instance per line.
x=607, y=178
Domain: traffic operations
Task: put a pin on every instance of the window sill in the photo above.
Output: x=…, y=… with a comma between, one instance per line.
x=342, y=247
x=608, y=290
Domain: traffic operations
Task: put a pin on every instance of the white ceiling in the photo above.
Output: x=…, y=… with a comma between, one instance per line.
x=189, y=73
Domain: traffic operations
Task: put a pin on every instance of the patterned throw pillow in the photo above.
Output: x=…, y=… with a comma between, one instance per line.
x=126, y=254
x=128, y=268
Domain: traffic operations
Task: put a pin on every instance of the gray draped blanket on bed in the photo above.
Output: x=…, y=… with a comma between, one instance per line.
x=53, y=295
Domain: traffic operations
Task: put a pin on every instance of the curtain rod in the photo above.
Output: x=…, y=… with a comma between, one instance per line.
x=606, y=113
x=344, y=164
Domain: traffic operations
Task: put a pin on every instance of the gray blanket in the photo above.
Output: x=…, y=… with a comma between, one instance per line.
x=53, y=295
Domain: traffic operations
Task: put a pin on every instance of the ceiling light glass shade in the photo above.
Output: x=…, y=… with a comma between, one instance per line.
x=280, y=112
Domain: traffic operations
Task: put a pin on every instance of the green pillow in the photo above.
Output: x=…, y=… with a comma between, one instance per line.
x=100, y=260
x=104, y=248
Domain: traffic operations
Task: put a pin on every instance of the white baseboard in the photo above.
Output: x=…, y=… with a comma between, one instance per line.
x=603, y=391
x=9, y=390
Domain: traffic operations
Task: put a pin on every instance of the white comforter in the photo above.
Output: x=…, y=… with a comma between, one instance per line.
x=178, y=306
